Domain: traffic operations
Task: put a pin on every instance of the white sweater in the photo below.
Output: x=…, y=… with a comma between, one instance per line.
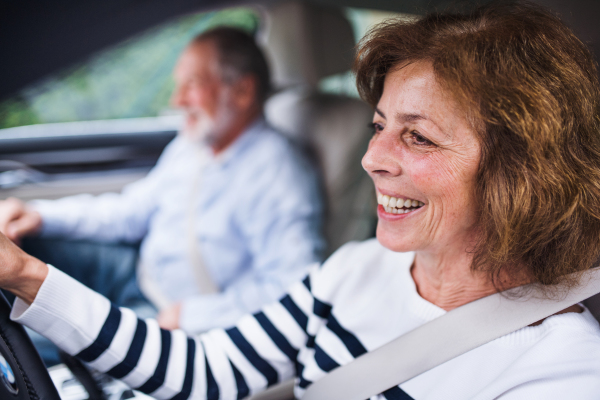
x=360, y=299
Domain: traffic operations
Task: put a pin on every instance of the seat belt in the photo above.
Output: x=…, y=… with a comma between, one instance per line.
x=442, y=339
x=204, y=281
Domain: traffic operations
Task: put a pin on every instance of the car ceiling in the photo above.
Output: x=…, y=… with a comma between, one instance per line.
x=38, y=37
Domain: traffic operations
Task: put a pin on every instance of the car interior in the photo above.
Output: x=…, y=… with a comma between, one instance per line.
x=306, y=42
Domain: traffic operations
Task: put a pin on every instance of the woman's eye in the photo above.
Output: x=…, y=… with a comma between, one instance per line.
x=420, y=140
x=376, y=127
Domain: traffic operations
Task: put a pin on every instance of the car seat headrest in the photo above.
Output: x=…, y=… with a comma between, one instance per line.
x=305, y=42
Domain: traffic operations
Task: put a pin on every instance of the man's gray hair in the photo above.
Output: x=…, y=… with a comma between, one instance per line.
x=239, y=55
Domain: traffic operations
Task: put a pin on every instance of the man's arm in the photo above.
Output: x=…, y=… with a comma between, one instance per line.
x=108, y=217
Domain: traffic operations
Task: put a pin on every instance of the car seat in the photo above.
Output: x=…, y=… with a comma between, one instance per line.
x=305, y=43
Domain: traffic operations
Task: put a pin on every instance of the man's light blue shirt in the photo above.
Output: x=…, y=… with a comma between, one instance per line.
x=257, y=209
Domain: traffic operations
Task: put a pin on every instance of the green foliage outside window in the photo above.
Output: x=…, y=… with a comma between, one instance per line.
x=131, y=79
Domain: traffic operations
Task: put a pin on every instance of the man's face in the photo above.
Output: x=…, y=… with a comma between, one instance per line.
x=200, y=92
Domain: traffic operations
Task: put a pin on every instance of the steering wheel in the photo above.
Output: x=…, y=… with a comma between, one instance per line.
x=23, y=375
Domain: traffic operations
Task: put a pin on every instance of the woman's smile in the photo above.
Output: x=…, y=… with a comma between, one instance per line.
x=396, y=207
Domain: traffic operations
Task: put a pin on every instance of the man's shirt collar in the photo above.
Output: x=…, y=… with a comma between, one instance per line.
x=241, y=143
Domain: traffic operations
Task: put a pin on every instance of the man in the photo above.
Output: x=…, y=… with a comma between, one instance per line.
x=230, y=215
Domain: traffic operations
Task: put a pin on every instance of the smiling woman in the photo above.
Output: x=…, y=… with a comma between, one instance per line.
x=517, y=95
x=486, y=160
x=425, y=151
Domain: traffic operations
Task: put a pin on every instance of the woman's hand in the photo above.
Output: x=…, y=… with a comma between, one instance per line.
x=20, y=273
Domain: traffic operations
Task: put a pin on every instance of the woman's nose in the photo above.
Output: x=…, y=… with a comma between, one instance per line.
x=382, y=156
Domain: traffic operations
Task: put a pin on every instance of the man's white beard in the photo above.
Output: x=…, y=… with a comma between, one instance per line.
x=202, y=129
x=207, y=130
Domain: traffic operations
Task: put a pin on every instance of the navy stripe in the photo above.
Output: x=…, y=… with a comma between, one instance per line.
x=212, y=389
x=351, y=342
x=303, y=384
x=242, y=386
x=276, y=336
x=158, y=378
x=257, y=361
x=188, y=381
x=396, y=393
x=299, y=368
x=295, y=311
x=133, y=354
x=324, y=362
x=306, y=282
x=321, y=309
x=105, y=337
x=310, y=341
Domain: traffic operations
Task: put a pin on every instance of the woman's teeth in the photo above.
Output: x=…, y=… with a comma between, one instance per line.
x=393, y=205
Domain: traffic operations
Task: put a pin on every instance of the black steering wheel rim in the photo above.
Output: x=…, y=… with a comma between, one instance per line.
x=23, y=375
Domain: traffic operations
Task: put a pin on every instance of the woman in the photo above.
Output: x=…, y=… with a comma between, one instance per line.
x=486, y=161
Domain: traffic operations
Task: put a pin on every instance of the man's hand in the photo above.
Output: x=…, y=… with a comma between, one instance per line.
x=168, y=318
x=17, y=220
x=20, y=273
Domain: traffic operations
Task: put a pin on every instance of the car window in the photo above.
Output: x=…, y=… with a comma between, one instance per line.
x=362, y=20
x=131, y=79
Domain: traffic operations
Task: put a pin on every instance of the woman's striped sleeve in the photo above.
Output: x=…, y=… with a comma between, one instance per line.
x=261, y=350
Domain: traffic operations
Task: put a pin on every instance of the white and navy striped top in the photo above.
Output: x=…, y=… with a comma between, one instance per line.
x=360, y=299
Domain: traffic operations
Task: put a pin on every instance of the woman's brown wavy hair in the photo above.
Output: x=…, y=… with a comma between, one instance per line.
x=530, y=88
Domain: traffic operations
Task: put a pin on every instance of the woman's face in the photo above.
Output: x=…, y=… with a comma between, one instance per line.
x=423, y=159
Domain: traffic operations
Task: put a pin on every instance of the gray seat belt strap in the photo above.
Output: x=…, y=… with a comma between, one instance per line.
x=204, y=281
x=456, y=332
x=206, y=285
